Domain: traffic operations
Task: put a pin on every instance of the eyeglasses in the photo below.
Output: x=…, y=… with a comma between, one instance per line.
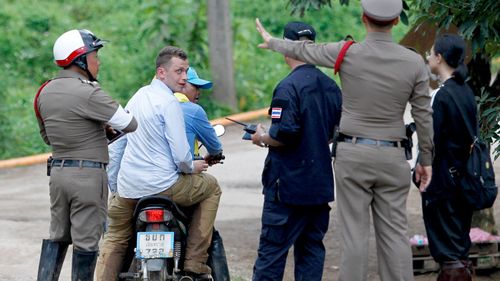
x=428, y=54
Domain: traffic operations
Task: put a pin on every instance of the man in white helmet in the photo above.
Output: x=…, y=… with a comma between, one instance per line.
x=73, y=114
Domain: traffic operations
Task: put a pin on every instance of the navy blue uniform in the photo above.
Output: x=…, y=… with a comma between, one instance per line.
x=298, y=177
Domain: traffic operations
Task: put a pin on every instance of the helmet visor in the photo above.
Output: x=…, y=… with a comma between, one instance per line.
x=91, y=41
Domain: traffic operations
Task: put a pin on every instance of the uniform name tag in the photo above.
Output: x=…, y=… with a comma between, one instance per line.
x=276, y=112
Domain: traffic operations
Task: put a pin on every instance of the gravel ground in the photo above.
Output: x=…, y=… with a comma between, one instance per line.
x=24, y=217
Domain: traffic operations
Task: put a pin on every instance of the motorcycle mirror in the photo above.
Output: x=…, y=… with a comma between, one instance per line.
x=219, y=130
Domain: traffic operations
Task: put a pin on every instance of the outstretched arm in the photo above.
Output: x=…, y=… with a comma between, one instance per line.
x=306, y=51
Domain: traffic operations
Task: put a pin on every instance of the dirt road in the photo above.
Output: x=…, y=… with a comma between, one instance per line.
x=24, y=217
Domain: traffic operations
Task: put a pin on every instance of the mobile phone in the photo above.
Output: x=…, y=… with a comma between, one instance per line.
x=113, y=136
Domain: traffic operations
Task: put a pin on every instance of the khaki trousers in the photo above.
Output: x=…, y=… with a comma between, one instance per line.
x=187, y=191
x=78, y=202
x=375, y=178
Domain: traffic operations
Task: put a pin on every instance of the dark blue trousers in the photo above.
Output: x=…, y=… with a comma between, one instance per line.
x=283, y=226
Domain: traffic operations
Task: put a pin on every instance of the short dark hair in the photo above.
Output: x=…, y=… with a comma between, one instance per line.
x=383, y=25
x=167, y=53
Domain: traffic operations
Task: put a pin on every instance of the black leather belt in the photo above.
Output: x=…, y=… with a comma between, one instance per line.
x=77, y=163
x=358, y=140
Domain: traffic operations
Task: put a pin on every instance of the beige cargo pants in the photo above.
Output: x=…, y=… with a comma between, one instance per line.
x=187, y=191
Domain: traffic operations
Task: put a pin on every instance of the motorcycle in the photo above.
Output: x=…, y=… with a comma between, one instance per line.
x=156, y=251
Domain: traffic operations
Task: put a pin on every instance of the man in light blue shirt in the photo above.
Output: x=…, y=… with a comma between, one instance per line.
x=198, y=128
x=156, y=159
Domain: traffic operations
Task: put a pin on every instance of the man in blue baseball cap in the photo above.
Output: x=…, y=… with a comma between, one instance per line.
x=194, y=79
x=195, y=118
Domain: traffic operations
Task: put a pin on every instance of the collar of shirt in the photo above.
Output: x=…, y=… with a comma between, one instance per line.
x=306, y=65
x=181, y=97
x=158, y=84
x=379, y=36
x=65, y=73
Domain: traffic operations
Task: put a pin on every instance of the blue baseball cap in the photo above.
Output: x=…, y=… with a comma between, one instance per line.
x=193, y=78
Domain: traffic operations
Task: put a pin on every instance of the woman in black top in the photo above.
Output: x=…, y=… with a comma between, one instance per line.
x=447, y=216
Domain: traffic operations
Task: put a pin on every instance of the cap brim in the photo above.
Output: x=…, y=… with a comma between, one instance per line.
x=203, y=84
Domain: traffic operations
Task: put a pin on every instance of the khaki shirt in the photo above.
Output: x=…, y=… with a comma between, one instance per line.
x=74, y=112
x=379, y=77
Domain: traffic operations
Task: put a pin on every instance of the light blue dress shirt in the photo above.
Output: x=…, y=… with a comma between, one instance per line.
x=149, y=160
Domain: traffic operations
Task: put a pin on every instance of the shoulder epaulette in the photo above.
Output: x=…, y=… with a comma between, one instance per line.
x=93, y=83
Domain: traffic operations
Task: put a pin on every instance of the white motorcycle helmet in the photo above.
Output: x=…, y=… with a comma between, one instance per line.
x=72, y=46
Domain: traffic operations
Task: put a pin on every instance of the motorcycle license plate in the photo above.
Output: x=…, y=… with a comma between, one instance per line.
x=153, y=245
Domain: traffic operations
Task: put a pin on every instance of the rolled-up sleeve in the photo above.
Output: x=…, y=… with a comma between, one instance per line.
x=121, y=119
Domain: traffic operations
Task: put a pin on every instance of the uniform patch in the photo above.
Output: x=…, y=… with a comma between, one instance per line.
x=93, y=83
x=276, y=112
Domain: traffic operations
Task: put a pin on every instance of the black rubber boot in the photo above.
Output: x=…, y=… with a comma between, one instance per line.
x=217, y=259
x=83, y=265
x=51, y=260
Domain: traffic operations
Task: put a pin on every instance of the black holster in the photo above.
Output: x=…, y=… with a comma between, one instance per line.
x=334, y=141
x=408, y=142
x=49, y=165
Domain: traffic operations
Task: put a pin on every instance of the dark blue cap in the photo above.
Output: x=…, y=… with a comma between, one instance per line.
x=296, y=31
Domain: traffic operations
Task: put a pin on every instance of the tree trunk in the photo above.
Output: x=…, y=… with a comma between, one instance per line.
x=221, y=53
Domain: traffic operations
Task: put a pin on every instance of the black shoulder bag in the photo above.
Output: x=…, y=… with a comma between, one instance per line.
x=477, y=179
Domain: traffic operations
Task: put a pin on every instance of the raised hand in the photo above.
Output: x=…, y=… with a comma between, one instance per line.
x=265, y=35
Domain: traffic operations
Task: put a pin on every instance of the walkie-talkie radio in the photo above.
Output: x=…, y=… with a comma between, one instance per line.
x=249, y=129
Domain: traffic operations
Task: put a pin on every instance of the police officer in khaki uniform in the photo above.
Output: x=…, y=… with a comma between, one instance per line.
x=73, y=113
x=379, y=77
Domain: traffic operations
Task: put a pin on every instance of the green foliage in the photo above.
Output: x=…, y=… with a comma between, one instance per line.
x=300, y=6
x=477, y=20
x=137, y=30
x=489, y=110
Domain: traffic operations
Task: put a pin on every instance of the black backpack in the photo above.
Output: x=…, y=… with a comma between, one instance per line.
x=477, y=179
